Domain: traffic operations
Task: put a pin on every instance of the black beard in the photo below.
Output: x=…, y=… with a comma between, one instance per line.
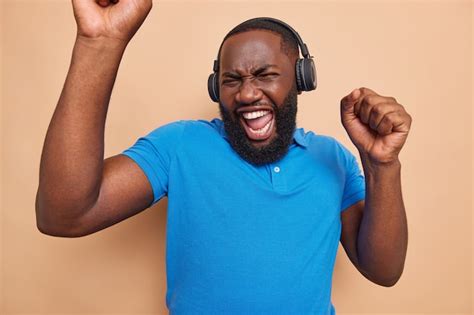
x=285, y=123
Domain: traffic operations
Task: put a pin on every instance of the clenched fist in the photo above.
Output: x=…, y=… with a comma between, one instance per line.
x=377, y=125
x=110, y=19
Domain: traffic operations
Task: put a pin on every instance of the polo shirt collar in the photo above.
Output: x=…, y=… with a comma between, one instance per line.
x=298, y=136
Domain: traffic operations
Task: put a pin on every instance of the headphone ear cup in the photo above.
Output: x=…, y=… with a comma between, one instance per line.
x=308, y=73
x=299, y=80
x=305, y=74
x=213, y=87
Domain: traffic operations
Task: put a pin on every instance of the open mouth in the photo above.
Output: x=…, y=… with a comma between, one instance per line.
x=258, y=122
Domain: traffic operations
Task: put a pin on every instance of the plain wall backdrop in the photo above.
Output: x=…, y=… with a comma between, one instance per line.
x=420, y=52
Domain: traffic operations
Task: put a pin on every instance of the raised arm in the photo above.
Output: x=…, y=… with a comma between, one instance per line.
x=374, y=232
x=78, y=191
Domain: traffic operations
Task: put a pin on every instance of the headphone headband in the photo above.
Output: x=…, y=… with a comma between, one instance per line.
x=301, y=44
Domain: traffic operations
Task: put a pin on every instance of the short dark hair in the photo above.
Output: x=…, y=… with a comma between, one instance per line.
x=289, y=43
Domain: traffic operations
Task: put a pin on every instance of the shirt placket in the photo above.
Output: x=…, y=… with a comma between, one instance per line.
x=278, y=177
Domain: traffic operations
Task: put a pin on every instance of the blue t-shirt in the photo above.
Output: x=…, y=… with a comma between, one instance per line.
x=243, y=239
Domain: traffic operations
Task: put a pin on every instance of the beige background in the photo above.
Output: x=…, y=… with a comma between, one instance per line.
x=419, y=52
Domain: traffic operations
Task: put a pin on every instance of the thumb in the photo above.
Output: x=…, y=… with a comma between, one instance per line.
x=348, y=102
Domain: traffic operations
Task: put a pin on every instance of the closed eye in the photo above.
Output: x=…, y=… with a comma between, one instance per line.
x=268, y=76
x=230, y=82
x=230, y=78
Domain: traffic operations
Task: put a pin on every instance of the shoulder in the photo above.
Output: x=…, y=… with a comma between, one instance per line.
x=319, y=141
x=186, y=133
x=179, y=127
x=325, y=145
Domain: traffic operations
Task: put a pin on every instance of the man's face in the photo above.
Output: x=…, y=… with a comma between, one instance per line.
x=258, y=95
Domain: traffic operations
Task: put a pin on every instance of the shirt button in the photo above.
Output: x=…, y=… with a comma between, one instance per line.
x=276, y=169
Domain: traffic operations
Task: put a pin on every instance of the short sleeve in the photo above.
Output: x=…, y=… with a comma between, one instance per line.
x=154, y=154
x=354, y=187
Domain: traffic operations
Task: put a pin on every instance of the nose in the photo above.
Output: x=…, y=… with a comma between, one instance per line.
x=248, y=93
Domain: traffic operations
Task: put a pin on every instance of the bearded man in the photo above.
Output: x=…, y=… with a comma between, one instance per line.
x=256, y=206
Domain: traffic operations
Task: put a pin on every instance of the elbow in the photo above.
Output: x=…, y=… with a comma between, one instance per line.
x=47, y=230
x=48, y=222
x=57, y=232
x=387, y=281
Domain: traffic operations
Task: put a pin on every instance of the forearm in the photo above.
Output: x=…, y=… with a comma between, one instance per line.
x=73, y=152
x=383, y=235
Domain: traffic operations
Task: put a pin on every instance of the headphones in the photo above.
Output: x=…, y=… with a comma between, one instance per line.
x=305, y=69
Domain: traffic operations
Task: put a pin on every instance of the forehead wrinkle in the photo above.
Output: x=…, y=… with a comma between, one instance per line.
x=252, y=69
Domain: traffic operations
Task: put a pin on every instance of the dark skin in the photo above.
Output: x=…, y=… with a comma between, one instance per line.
x=254, y=75
x=374, y=231
x=105, y=191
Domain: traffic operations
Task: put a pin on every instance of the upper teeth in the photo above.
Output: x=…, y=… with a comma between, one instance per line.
x=255, y=114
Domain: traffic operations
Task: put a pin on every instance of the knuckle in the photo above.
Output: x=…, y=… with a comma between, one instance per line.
x=388, y=119
x=409, y=120
x=370, y=99
x=378, y=109
x=364, y=89
x=392, y=116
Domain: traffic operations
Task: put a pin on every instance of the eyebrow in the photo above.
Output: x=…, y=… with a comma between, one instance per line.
x=257, y=71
